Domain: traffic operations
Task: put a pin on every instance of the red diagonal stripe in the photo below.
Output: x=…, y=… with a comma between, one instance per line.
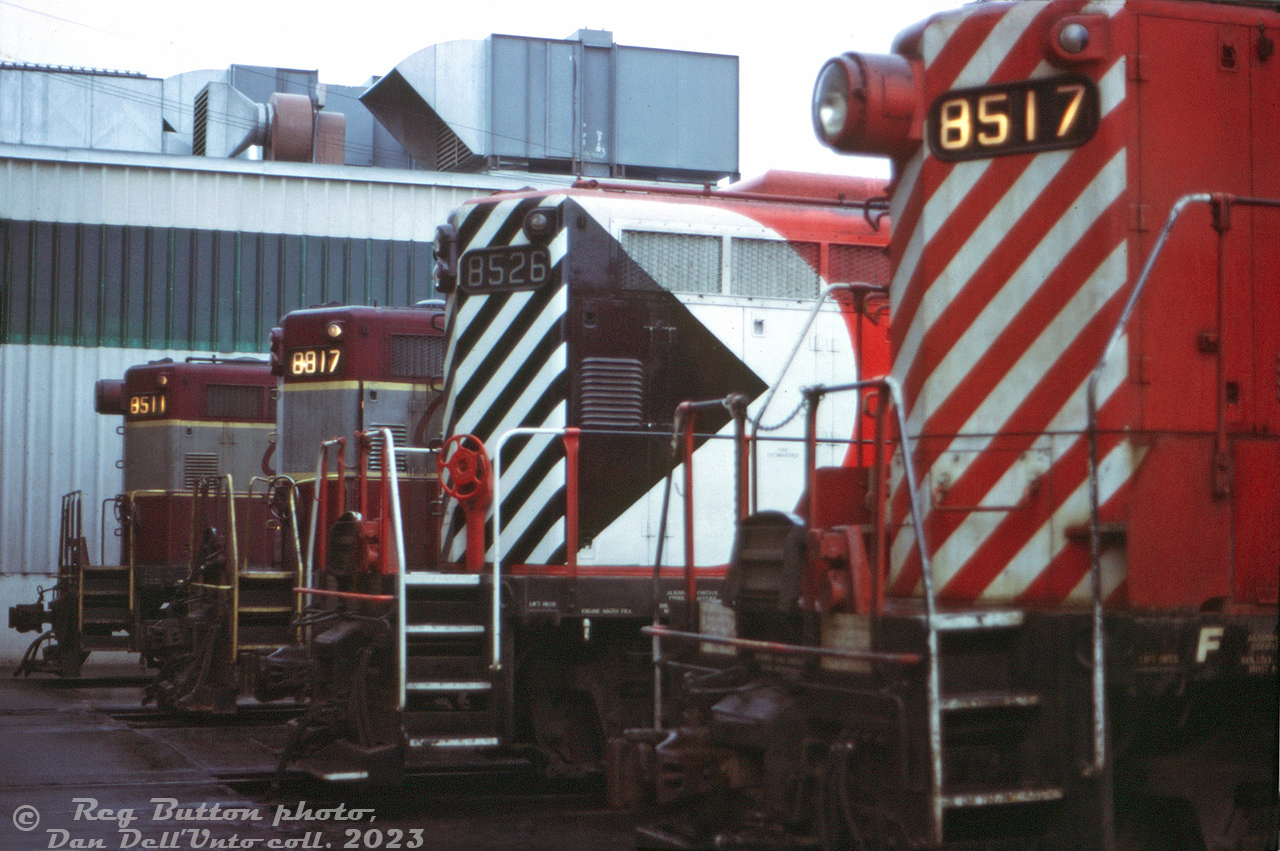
x=1024, y=427
x=1022, y=58
x=1072, y=564
x=992, y=557
x=1023, y=329
x=986, y=282
x=1059, y=288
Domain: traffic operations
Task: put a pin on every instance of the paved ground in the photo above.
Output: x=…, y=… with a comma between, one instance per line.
x=72, y=777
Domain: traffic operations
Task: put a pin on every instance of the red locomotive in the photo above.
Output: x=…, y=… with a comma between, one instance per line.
x=1062, y=629
x=576, y=322
x=195, y=434
x=346, y=370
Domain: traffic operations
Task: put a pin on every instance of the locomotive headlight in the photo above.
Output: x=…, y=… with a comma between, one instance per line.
x=831, y=101
x=162, y=380
x=1073, y=37
x=868, y=104
x=108, y=396
x=540, y=225
x=334, y=330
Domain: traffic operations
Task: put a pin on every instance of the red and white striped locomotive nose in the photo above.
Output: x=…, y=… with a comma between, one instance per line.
x=868, y=104
x=1006, y=121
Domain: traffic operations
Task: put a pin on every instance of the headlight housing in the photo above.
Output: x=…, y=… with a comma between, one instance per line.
x=868, y=104
x=831, y=102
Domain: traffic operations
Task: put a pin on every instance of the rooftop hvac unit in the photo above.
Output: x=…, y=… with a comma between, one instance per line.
x=288, y=127
x=582, y=105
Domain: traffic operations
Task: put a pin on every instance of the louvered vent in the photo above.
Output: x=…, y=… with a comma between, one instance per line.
x=416, y=356
x=400, y=434
x=612, y=393
x=202, y=123
x=197, y=466
x=452, y=154
x=234, y=401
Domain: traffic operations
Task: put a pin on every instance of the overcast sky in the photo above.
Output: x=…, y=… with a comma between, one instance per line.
x=350, y=42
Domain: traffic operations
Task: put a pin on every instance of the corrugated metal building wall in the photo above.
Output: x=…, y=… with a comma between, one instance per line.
x=109, y=260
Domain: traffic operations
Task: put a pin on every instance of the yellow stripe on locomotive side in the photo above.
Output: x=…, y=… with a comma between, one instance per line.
x=154, y=423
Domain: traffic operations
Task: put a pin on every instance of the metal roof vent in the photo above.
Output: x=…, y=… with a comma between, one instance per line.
x=288, y=127
x=582, y=105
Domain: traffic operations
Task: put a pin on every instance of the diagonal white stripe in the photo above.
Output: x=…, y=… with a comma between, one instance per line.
x=544, y=549
x=947, y=198
x=960, y=360
x=1070, y=420
x=1103, y=7
x=490, y=227
x=1050, y=539
x=1019, y=197
x=995, y=48
x=545, y=377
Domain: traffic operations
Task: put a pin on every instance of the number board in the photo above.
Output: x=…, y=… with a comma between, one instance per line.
x=318, y=362
x=518, y=267
x=144, y=405
x=1013, y=118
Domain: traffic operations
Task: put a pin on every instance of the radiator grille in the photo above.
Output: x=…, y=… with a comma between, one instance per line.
x=774, y=269
x=417, y=356
x=679, y=262
x=861, y=264
x=197, y=466
x=612, y=393
x=400, y=434
x=234, y=401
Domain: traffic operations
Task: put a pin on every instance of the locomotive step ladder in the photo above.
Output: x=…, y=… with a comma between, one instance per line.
x=105, y=605
x=103, y=594
x=265, y=608
x=1001, y=758
x=262, y=601
x=452, y=699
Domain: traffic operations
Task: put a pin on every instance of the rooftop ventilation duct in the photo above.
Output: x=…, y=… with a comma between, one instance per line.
x=288, y=127
x=582, y=105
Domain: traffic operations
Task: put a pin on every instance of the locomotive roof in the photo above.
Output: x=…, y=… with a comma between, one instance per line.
x=423, y=312
x=214, y=369
x=773, y=187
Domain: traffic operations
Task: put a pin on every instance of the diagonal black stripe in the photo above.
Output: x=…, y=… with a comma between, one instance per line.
x=552, y=397
x=497, y=357
x=470, y=335
x=514, y=222
x=473, y=222
x=552, y=513
x=452, y=308
x=550, y=455
x=518, y=383
x=520, y=491
x=514, y=500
